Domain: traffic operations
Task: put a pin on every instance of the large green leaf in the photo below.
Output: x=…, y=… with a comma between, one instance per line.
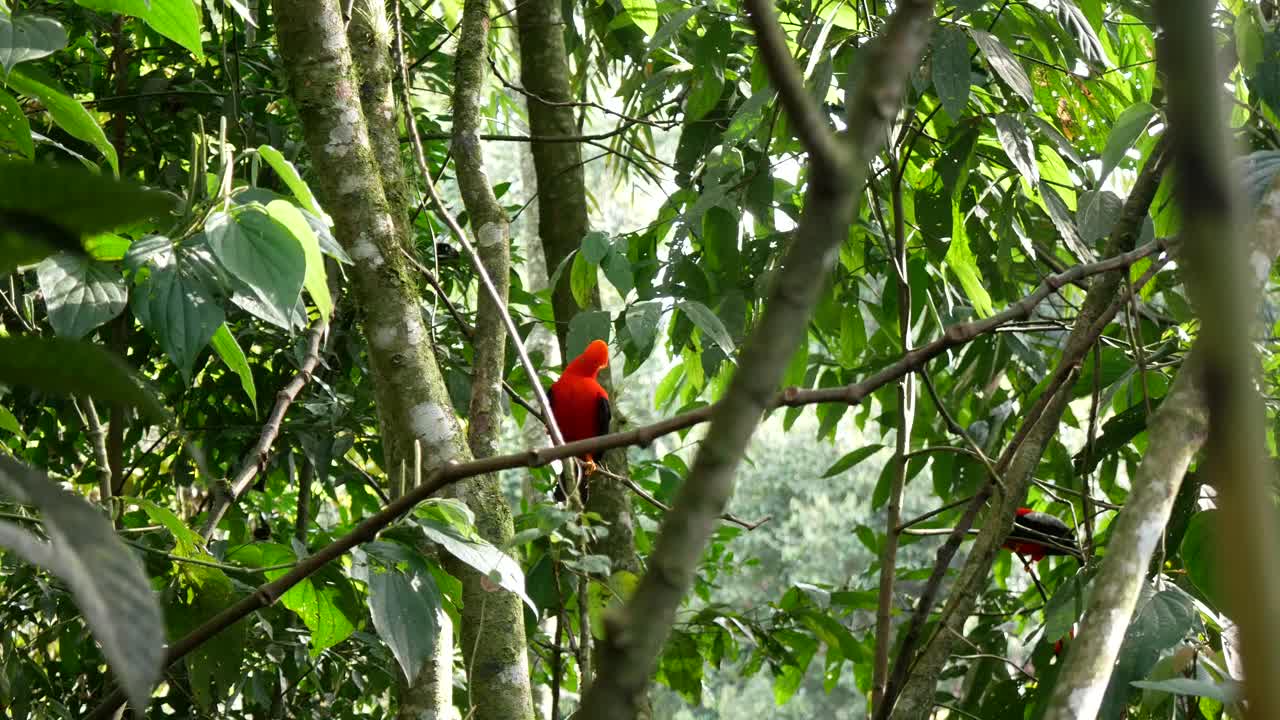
x=1200, y=556
x=28, y=37
x=1123, y=134
x=315, y=280
x=224, y=343
x=1004, y=63
x=325, y=602
x=1224, y=692
x=77, y=200
x=642, y=323
x=951, y=70
x=10, y=423
x=66, y=111
x=73, y=367
x=704, y=92
x=1017, y=145
x=176, y=305
x=178, y=20
x=961, y=261
x=15, y=131
x=405, y=604
x=708, y=323
x=80, y=293
x=291, y=177
x=471, y=549
x=644, y=13
x=583, y=276
x=106, y=579
x=265, y=256
x=585, y=327
x=851, y=459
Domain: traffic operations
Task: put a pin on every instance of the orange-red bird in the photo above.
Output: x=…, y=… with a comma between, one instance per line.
x=580, y=405
x=1037, y=535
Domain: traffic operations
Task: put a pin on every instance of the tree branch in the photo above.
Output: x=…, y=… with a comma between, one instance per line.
x=836, y=176
x=449, y=473
x=256, y=459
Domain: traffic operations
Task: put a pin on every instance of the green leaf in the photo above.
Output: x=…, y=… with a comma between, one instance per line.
x=10, y=423
x=704, y=92
x=29, y=37
x=1018, y=146
x=708, y=323
x=483, y=557
x=325, y=601
x=851, y=459
x=315, y=279
x=961, y=261
x=1229, y=691
x=292, y=179
x=1004, y=63
x=667, y=386
x=951, y=70
x=1123, y=134
x=644, y=13
x=107, y=247
x=595, y=245
x=1200, y=556
x=582, y=280
x=720, y=231
x=224, y=343
x=642, y=323
x=15, y=131
x=80, y=293
x=681, y=667
x=585, y=327
x=265, y=256
x=73, y=367
x=178, y=20
x=83, y=204
x=1061, y=218
x=176, y=306
x=405, y=604
x=67, y=113
x=107, y=580
x=618, y=269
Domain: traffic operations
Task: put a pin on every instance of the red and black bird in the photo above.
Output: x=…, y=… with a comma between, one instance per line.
x=1039, y=535
x=581, y=405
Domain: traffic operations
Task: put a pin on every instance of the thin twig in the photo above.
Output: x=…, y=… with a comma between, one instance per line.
x=557, y=438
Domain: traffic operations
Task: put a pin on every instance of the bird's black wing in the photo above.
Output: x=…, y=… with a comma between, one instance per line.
x=604, y=414
x=1046, y=530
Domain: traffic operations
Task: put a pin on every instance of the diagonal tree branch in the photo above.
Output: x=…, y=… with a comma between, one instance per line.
x=836, y=175
x=256, y=460
x=914, y=700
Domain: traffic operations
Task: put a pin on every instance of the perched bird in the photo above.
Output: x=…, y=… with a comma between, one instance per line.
x=580, y=404
x=1038, y=535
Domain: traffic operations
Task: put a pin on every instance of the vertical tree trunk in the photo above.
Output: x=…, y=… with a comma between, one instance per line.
x=431, y=692
x=562, y=204
x=413, y=404
x=493, y=641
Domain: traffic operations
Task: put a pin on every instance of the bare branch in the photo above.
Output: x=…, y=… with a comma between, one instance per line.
x=256, y=459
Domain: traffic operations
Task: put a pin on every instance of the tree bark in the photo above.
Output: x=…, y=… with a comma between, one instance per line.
x=562, y=222
x=413, y=404
x=493, y=639
x=837, y=170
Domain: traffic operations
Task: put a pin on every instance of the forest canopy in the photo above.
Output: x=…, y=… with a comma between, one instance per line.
x=639, y=359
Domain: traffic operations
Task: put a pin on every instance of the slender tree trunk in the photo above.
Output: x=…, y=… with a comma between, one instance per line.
x=493, y=641
x=413, y=404
x=562, y=222
x=431, y=692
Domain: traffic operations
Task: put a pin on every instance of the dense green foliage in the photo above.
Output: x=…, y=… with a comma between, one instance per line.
x=1025, y=128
